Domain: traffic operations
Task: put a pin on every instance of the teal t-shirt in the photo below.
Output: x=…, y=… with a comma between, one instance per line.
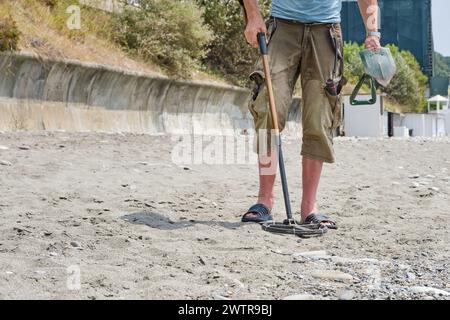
x=323, y=11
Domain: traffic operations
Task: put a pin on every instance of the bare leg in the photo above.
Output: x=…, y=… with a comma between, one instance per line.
x=267, y=172
x=311, y=171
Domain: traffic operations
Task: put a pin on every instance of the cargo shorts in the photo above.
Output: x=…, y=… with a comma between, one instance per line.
x=313, y=52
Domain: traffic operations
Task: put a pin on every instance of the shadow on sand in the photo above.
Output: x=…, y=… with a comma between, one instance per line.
x=159, y=221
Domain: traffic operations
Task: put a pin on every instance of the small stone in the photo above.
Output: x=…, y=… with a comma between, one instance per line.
x=410, y=276
x=414, y=176
x=430, y=176
x=434, y=189
x=75, y=244
x=200, y=259
x=4, y=148
x=314, y=255
x=420, y=289
x=186, y=168
x=332, y=275
x=5, y=163
x=304, y=296
x=346, y=295
x=47, y=233
x=53, y=254
x=24, y=148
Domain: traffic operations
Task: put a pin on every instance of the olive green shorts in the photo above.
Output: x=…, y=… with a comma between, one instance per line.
x=314, y=52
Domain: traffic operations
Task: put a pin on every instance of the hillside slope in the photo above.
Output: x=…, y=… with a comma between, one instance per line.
x=44, y=31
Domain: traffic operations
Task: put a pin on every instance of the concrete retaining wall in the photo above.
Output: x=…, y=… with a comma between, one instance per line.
x=70, y=95
x=43, y=94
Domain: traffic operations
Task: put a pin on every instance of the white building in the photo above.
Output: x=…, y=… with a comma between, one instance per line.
x=374, y=121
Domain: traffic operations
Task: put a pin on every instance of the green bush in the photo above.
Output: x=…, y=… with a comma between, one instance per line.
x=352, y=62
x=409, y=83
x=170, y=33
x=442, y=65
x=9, y=34
x=229, y=54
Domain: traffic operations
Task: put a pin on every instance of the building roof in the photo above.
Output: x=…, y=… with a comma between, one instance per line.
x=438, y=98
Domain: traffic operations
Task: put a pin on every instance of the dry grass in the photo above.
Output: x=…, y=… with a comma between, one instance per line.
x=44, y=31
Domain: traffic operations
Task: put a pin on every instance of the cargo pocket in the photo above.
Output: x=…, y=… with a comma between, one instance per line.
x=336, y=109
x=334, y=86
x=257, y=77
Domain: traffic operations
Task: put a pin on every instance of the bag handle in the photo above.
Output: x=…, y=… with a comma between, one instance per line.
x=373, y=91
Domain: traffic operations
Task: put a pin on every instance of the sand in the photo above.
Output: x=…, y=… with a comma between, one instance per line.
x=111, y=216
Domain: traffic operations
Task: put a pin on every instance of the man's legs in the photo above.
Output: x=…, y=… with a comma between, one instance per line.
x=284, y=59
x=320, y=114
x=311, y=170
x=267, y=167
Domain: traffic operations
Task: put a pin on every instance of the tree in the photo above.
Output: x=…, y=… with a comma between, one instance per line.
x=229, y=54
x=442, y=65
x=171, y=33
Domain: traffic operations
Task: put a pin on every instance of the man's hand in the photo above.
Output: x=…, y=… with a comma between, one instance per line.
x=254, y=26
x=372, y=43
x=255, y=22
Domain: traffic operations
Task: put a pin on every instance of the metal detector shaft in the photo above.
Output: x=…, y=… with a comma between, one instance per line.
x=273, y=112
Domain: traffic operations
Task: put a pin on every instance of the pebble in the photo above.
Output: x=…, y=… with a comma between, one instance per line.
x=434, y=189
x=24, y=148
x=5, y=163
x=414, y=176
x=53, y=254
x=420, y=289
x=332, y=275
x=346, y=295
x=75, y=244
x=4, y=148
x=314, y=255
x=410, y=276
x=304, y=296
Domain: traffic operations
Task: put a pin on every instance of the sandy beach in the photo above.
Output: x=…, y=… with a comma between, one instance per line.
x=101, y=216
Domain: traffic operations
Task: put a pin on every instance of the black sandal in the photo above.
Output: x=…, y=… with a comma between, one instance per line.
x=262, y=212
x=320, y=220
